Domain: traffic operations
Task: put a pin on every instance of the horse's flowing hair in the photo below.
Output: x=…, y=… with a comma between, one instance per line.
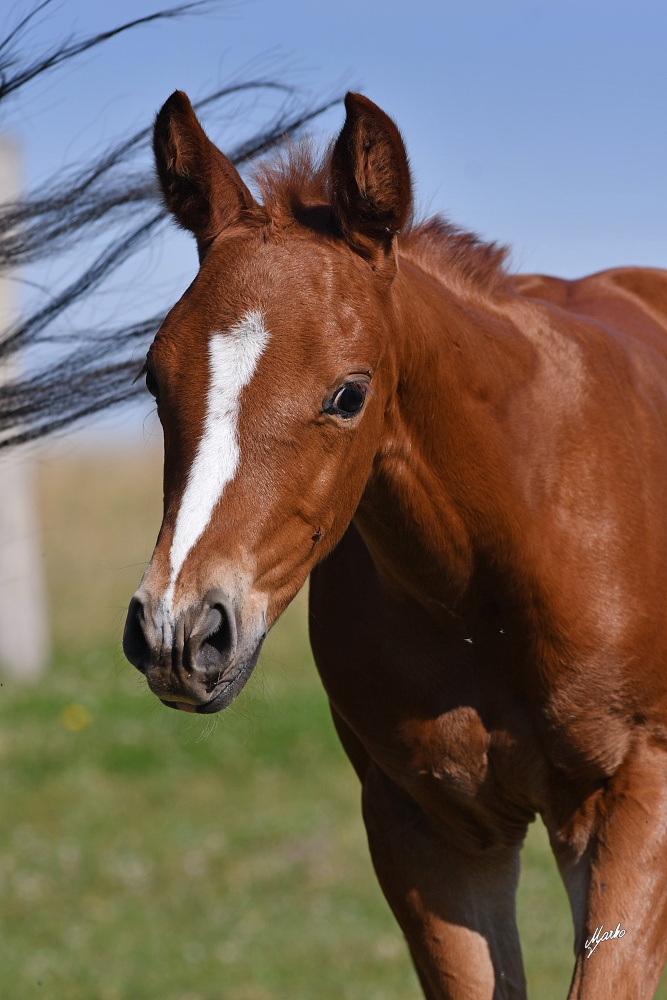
x=107, y=208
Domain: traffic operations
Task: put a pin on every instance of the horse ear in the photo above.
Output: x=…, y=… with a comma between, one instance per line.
x=371, y=187
x=201, y=187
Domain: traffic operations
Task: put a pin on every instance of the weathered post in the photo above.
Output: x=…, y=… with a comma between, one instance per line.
x=23, y=620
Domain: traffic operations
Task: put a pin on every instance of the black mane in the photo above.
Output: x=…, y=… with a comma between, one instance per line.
x=108, y=209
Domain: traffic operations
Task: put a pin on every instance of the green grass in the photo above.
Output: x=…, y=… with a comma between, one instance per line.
x=149, y=855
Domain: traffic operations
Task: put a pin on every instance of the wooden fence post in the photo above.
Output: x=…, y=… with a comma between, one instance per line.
x=24, y=640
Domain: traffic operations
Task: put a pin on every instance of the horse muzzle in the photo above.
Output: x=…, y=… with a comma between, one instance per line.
x=197, y=660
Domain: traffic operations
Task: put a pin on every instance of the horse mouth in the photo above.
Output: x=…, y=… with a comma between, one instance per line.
x=222, y=693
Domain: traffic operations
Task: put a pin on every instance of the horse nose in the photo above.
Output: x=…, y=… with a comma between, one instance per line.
x=210, y=639
x=185, y=655
x=135, y=643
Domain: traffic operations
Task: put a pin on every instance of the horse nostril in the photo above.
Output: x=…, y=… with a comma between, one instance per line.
x=218, y=641
x=135, y=644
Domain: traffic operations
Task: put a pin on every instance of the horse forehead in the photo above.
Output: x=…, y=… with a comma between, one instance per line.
x=304, y=295
x=284, y=275
x=233, y=354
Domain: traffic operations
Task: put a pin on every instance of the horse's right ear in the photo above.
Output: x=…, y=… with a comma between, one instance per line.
x=201, y=187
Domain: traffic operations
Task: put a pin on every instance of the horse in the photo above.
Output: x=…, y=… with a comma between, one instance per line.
x=471, y=465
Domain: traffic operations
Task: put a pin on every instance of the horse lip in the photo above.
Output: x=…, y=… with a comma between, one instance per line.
x=224, y=692
x=181, y=706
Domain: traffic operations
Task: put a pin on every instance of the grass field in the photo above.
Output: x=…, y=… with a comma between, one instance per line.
x=149, y=855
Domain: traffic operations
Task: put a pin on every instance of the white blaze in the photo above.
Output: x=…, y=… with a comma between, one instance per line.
x=233, y=358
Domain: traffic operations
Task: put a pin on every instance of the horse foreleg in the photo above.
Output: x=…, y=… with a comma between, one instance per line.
x=616, y=876
x=456, y=907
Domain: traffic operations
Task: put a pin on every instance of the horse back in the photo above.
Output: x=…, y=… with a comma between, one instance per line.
x=631, y=301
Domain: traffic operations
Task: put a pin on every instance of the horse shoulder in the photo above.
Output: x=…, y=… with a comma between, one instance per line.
x=431, y=707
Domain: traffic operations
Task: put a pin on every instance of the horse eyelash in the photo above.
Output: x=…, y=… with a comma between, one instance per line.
x=142, y=371
x=370, y=388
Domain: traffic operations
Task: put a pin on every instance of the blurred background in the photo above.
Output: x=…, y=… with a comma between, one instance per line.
x=151, y=855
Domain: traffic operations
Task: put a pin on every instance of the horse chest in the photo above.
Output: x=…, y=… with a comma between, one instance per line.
x=450, y=753
x=447, y=734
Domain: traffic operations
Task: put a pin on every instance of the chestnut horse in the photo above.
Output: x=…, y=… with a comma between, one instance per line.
x=473, y=467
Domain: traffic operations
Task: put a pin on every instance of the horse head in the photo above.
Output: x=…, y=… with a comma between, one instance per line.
x=272, y=385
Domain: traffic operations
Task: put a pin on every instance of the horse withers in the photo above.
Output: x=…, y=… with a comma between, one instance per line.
x=473, y=468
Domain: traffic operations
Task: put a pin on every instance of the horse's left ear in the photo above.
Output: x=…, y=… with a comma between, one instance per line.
x=371, y=187
x=202, y=188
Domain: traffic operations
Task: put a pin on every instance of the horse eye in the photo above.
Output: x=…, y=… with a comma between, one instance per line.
x=348, y=400
x=151, y=384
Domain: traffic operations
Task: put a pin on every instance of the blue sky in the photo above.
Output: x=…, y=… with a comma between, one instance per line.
x=540, y=125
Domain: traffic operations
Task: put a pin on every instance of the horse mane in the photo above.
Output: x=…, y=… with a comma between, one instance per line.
x=295, y=187
x=453, y=254
x=102, y=211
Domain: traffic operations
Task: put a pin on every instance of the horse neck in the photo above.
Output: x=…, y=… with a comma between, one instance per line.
x=441, y=499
